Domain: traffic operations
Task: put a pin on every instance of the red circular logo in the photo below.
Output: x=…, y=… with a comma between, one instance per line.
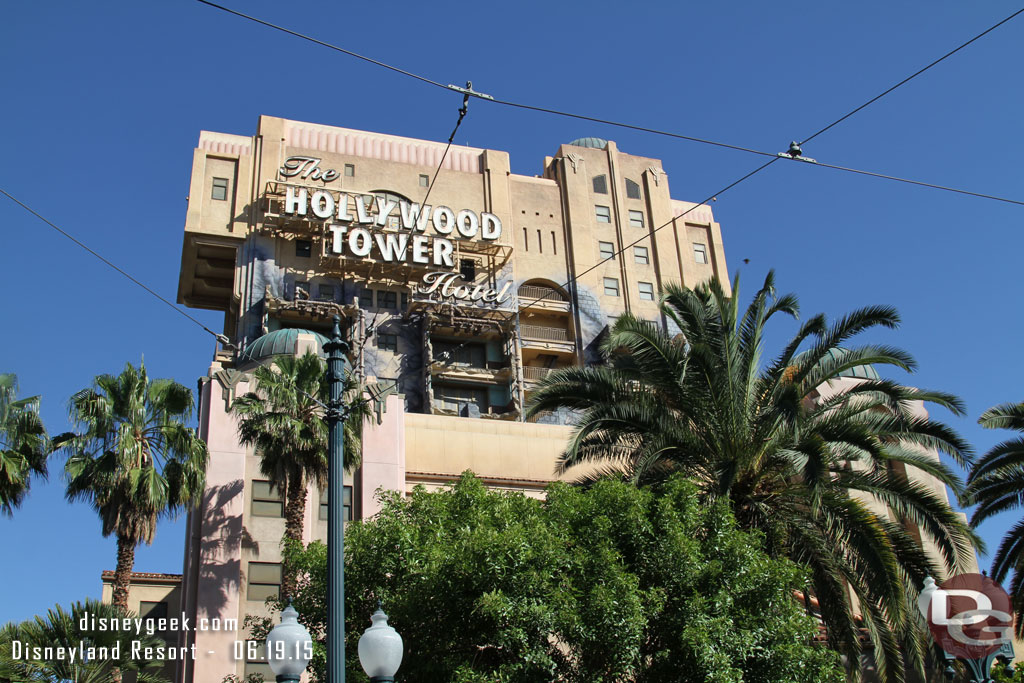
x=969, y=615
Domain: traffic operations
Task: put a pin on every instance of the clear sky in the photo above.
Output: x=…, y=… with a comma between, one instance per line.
x=103, y=103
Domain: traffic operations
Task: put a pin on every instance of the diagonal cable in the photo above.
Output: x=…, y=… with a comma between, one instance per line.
x=221, y=338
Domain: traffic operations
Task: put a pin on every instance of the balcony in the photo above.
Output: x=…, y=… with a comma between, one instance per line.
x=491, y=372
x=557, y=334
x=535, y=373
x=537, y=297
x=542, y=337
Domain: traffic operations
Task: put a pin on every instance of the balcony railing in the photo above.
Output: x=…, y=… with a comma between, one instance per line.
x=531, y=293
x=532, y=373
x=557, y=334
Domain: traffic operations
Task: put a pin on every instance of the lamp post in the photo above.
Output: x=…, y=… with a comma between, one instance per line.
x=336, y=413
x=380, y=649
x=289, y=647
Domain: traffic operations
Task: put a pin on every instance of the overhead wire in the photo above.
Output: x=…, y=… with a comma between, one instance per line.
x=324, y=44
x=915, y=182
x=819, y=163
x=655, y=131
x=462, y=112
x=913, y=76
x=219, y=337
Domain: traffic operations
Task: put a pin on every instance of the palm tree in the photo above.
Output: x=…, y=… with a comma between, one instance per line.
x=996, y=484
x=24, y=445
x=62, y=628
x=283, y=420
x=797, y=462
x=133, y=459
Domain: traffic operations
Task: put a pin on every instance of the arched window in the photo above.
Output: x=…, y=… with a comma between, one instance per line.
x=395, y=217
x=632, y=189
x=601, y=184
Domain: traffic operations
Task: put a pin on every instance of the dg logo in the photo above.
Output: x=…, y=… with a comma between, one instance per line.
x=969, y=615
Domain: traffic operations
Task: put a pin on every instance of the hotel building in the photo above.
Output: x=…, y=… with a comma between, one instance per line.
x=455, y=302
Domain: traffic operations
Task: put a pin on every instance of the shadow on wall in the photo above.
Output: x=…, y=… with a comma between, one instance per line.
x=263, y=272
x=410, y=369
x=219, y=550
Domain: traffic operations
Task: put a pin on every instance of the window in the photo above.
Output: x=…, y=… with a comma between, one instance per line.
x=346, y=502
x=303, y=248
x=467, y=267
x=700, y=252
x=152, y=610
x=459, y=353
x=636, y=219
x=387, y=342
x=646, y=291
x=601, y=184
x=301, y=289
x=604, y=215
x=220, y=189
x=350, y=171
x=424, y=180
x=641, y=256
x=264, y=580
x=266, y=501
x=611, y=286
x=405, y=300
x=324, y=292
x=632, y=189
x=366, y=298
x=607, y=249
x=387, y=300
x=455, y=397
x=257, y=664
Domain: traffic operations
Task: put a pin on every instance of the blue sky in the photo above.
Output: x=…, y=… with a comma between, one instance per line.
x=103, y=104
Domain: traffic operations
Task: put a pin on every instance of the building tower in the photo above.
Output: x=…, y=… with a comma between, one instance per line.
x=455, y=308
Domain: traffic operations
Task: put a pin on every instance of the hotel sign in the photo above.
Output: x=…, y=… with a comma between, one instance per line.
x=351, y=223
x=355, y=225
x=307, y=168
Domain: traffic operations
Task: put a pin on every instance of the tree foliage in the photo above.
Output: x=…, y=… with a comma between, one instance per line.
x=613, y=583
x=996, y=484
x=283, y=419
x=61, y=628
x=832, y=480
x=133, y=458
x=24, y=445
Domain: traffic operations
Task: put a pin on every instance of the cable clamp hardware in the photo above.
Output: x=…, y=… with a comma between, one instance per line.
x=794, y=152
x=468, y=91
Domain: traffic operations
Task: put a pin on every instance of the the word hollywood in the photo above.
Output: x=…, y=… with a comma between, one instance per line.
x=969, y=615
x=392, y=230
x=351, y=218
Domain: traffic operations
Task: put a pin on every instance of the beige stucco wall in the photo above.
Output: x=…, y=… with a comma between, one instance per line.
x=513, y=455
x=152, y=587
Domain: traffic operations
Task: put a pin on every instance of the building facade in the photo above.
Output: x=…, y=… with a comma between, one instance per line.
x=456, y=303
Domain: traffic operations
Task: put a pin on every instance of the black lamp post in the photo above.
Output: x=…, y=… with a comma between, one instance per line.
x=336, y=413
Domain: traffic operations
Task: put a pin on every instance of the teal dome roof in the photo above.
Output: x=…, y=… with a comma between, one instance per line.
x=276, y=343
x=857, y=371
x=592, y=143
